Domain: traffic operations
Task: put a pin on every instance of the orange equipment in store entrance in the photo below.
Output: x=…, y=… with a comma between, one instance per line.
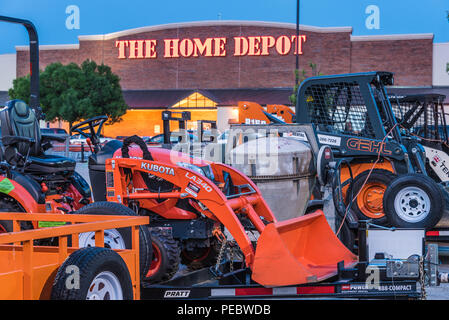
x=254, y=113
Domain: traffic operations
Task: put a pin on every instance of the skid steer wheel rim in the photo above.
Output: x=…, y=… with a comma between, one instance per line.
x=370, y=200
x=112, y=239
x=105, y=286
x=156, y=262
x=412, y=204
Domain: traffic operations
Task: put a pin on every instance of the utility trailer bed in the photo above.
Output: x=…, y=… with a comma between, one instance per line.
x=204, y=285
x=377, y=276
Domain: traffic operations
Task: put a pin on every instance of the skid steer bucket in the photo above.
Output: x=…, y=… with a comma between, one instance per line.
x=297, y=251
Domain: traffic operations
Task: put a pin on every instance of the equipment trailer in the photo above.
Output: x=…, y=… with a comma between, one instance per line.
x=378, y=279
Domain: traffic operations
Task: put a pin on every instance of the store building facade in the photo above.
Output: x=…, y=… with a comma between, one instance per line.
x=207, y=67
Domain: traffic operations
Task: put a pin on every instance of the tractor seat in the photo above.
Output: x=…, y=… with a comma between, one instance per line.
x=18, y=119
x=50, y=164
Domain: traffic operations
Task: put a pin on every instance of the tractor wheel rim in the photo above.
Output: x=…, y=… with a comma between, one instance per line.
x=412, y=204
x=112, y=239
x=156, y=262
x=197, y=256
x=370, y=200
x=105, y=286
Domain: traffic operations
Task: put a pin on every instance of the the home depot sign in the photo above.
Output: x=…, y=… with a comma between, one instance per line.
x=210, y=47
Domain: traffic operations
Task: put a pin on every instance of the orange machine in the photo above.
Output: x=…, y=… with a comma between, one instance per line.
x=254, y=113
x=35, y=272
x=277, y=259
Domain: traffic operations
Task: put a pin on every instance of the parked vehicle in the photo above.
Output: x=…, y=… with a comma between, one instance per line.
x=78, y=139
x=58, y=132
x=174, y=138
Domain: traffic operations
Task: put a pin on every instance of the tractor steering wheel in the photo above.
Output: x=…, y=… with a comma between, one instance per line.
x=87, y=127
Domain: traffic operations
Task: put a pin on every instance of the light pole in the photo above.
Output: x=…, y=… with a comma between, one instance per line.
x=297, y=39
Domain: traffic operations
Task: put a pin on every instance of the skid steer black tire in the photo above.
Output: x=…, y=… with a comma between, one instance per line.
x=75, y=277
x=381, y=176
x=201, y=257
x=414, y=201
x=166, y=256
x=113, y=208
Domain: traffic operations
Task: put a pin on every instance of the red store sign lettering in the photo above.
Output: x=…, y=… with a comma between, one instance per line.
x=211, y=47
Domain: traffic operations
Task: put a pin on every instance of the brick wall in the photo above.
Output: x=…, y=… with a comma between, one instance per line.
x=410, y=60
x=333, y=52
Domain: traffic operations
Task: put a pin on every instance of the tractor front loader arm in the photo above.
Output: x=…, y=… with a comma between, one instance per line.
x=189, y=184
x=296, y=251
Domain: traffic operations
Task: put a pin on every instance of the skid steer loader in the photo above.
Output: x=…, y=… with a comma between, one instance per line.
x=423, y=116
x=352, y=113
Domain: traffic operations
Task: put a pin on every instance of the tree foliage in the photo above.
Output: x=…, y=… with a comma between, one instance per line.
x=73, y=93
x=301, y=77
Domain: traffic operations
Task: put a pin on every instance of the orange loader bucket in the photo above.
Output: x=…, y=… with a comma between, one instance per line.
x=298, y=251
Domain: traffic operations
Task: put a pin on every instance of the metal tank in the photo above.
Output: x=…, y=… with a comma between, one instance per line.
x=282, y=168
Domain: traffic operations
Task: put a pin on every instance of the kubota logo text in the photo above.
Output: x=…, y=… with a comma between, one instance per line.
x=156, y=168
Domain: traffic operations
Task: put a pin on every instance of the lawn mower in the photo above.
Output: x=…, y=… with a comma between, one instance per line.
x=352, y=114
x=51, y=182
x=35, y=182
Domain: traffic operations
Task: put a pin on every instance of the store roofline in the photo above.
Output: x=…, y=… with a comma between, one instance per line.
x=209, y=23
x=390, y=37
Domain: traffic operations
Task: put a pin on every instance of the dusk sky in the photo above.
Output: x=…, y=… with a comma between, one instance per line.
x=55, y=22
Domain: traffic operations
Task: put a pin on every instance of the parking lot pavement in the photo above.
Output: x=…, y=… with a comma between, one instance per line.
x=440, y=292
x=81, y=168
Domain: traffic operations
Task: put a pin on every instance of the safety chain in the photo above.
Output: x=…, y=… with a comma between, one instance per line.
x=220, y=253
x=231, y=258
x=421, y=279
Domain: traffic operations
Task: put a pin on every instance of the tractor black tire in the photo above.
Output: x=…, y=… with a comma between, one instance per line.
x=201, y=257
x=380, y=177
x=88, y=269
x=166, y=256
x=414, y=201
x=113, y=208
x=8, y=204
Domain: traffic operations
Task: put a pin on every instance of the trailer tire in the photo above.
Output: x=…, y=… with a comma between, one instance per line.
x=124, y=234
x=201, y=257
x=374, y=191
x=93, y=273
x=414, y=201
x=166, y=256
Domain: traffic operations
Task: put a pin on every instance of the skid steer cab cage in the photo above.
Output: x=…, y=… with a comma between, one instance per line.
x=27, y=271
x=300, y=250
x=349, y=112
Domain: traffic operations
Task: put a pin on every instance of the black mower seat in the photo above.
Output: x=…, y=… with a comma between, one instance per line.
x=50, y=164
x=19, y=120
